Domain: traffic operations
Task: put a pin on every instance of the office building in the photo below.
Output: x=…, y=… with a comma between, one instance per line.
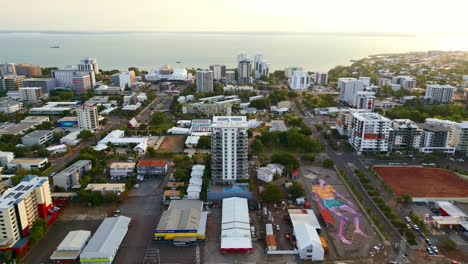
x=37, y=137
x=261, y=67
x=20, y=206
x=89, y=64
x=47, y=84
x=436, y=138
x=405, y=135
x=28, y=70
x=406, y=82
x=244, y=70
x=440, y=93
x=230, y=77
x=364, y=100
x=65, y=76
x=183, y=223
x=124, y=79
x=6, y=157
x=152, y=168
x=384, y=82
x=105, y=243
x=204, y=81
x=370, y=132
x=29, y=163
x=167, y=73
x=365, y=81
x=121, y=169
x=348, y=88
x=69, y=177
x=11, y=83
x=460, y=137
x=7, y=69
x=219, y=71
x=229, y=148
x=68, y=251
x=81, y=84
x=288, y=72
x=321, y=78
x=10, y=106
x=235, y=226
x=299, y=80
x=87, y=117
x=30, y=94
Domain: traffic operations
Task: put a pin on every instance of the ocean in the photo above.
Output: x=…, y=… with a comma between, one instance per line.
x=312, y=51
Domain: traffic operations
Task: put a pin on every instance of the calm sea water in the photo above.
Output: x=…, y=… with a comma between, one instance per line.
x=314, y=52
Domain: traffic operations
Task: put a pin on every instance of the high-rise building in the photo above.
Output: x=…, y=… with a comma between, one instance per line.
x=87, y=117
x=321, y=78
x=21, y=205
x=348, y=87
x=65, y=76
x=229, y=148
x=30, y=94
x=28, y=70
x=384, y=82
x=460, y=137
x=261, y=67
x=47, y=84
x=343, y=121
x=81, y=83
x=440, y=93
x=7, y=68
x=230, y=76
x=406, y=82
x=436, y=138
x=244, y=70
x=365, y=81
x=219, y=71
x=288, y=72
x=405, y=135
x=364, y=100
x=11, y=83
x=89, y=64
x=299, y=80
x=124, y=79
x=370, y=132
x=204, y=81
x=464, y=83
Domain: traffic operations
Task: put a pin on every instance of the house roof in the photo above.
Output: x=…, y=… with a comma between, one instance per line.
x=152, y=163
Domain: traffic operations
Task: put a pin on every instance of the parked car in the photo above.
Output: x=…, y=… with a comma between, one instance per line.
x=277, y=227
x=428, y=241
x=429, y=251
x=408, y=226
x=422, y=235
x=407, y=219
x=434, y=248
x=116, y=211
x=416, y=227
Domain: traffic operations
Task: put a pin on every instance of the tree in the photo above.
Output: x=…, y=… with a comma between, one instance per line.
x=158, y=118
x=39, y=228
x=110, y=197
x=204, y=142
x=271, y=193
x=287, y=159
x=257, y=146
x=308, y=157
x=328, y=163
x=296, y=190
x=261, y=103
x=180, y=175
x=85, y=134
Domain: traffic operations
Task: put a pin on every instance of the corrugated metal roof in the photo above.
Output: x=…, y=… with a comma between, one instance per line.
x=152, y=163
x=75, y=240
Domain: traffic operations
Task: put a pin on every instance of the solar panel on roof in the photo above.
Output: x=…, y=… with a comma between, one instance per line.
x=18, y=195
x=27, y=187
x=19, y=187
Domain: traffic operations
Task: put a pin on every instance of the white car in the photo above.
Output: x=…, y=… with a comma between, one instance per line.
x=277, y=227
x=407, y=219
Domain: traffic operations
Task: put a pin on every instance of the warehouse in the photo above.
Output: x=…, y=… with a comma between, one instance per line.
x=70, y=248
x=235, y=227
x=182, y=223
x=306, y=228
x=105, y=243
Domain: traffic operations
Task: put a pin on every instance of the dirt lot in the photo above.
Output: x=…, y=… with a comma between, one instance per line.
x=423, y=182
x=172, y=144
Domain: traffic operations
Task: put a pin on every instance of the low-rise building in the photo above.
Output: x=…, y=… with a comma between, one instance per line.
x=6, y=157
x=54, y=108
x=71, y=139
x=56, y=149
x=184, y=222
x=235, y=226
x=278, y=125
x=152, y=168
x=10, y=106
x=104, y=188
x=306, y=228
x=117, y=138
x=105, y=243
x=71, y=246
x=38, y=137
x=70, y=176
x=106, y=89
x=29, y=163
x=122, y=169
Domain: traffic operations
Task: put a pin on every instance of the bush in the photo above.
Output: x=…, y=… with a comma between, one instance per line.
x=271, y=193
x=328, y=163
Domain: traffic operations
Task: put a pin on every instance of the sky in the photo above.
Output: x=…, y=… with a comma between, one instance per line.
x=393, y=16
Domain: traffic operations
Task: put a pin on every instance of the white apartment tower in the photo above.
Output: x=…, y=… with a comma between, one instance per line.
x=348, y=87
x=364, y=100
x=229, y=148
x=370, y=132
x=89, y=64
x=30, y=94
x=365, y=81
x=440, y=93
x=87, y=117
x=299, y=80
x=204, y=81
x=288, y=72
x=219, y=71
x=261, y=67
x=321, y=78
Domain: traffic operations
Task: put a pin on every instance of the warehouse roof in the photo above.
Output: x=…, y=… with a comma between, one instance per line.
x=107, y=239
x=181, y=215
x=75, y=240
x=235, y=227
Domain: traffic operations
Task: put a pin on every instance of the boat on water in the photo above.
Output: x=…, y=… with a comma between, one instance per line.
x=177, y=61
x=55, y=47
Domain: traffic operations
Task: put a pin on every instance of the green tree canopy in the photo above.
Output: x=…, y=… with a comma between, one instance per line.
x=271, y=193
x=85, y=134
x=296, y=190
x=287, y=159
x=204, y=142
x=158, y=118
x=328, y=163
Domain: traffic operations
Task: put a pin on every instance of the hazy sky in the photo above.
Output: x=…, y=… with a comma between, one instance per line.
x=449, y=16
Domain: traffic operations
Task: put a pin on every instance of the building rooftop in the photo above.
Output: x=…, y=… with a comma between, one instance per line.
x=181, y=215
x=129, y=165
x=366, y=116
x=16, y=194
x=75, y=240
x=235, y=121
x=434, y=127
x=152, y=163
x=37, y=134
x=114, y=187
x=28, y=160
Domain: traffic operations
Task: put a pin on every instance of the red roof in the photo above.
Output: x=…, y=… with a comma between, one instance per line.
x=295, y=172
x=152, y=163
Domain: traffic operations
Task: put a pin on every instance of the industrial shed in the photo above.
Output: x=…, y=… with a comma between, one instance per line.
x=235, y=227
x=71, y=246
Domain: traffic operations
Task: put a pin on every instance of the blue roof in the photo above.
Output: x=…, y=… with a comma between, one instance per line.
x=28, y=177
